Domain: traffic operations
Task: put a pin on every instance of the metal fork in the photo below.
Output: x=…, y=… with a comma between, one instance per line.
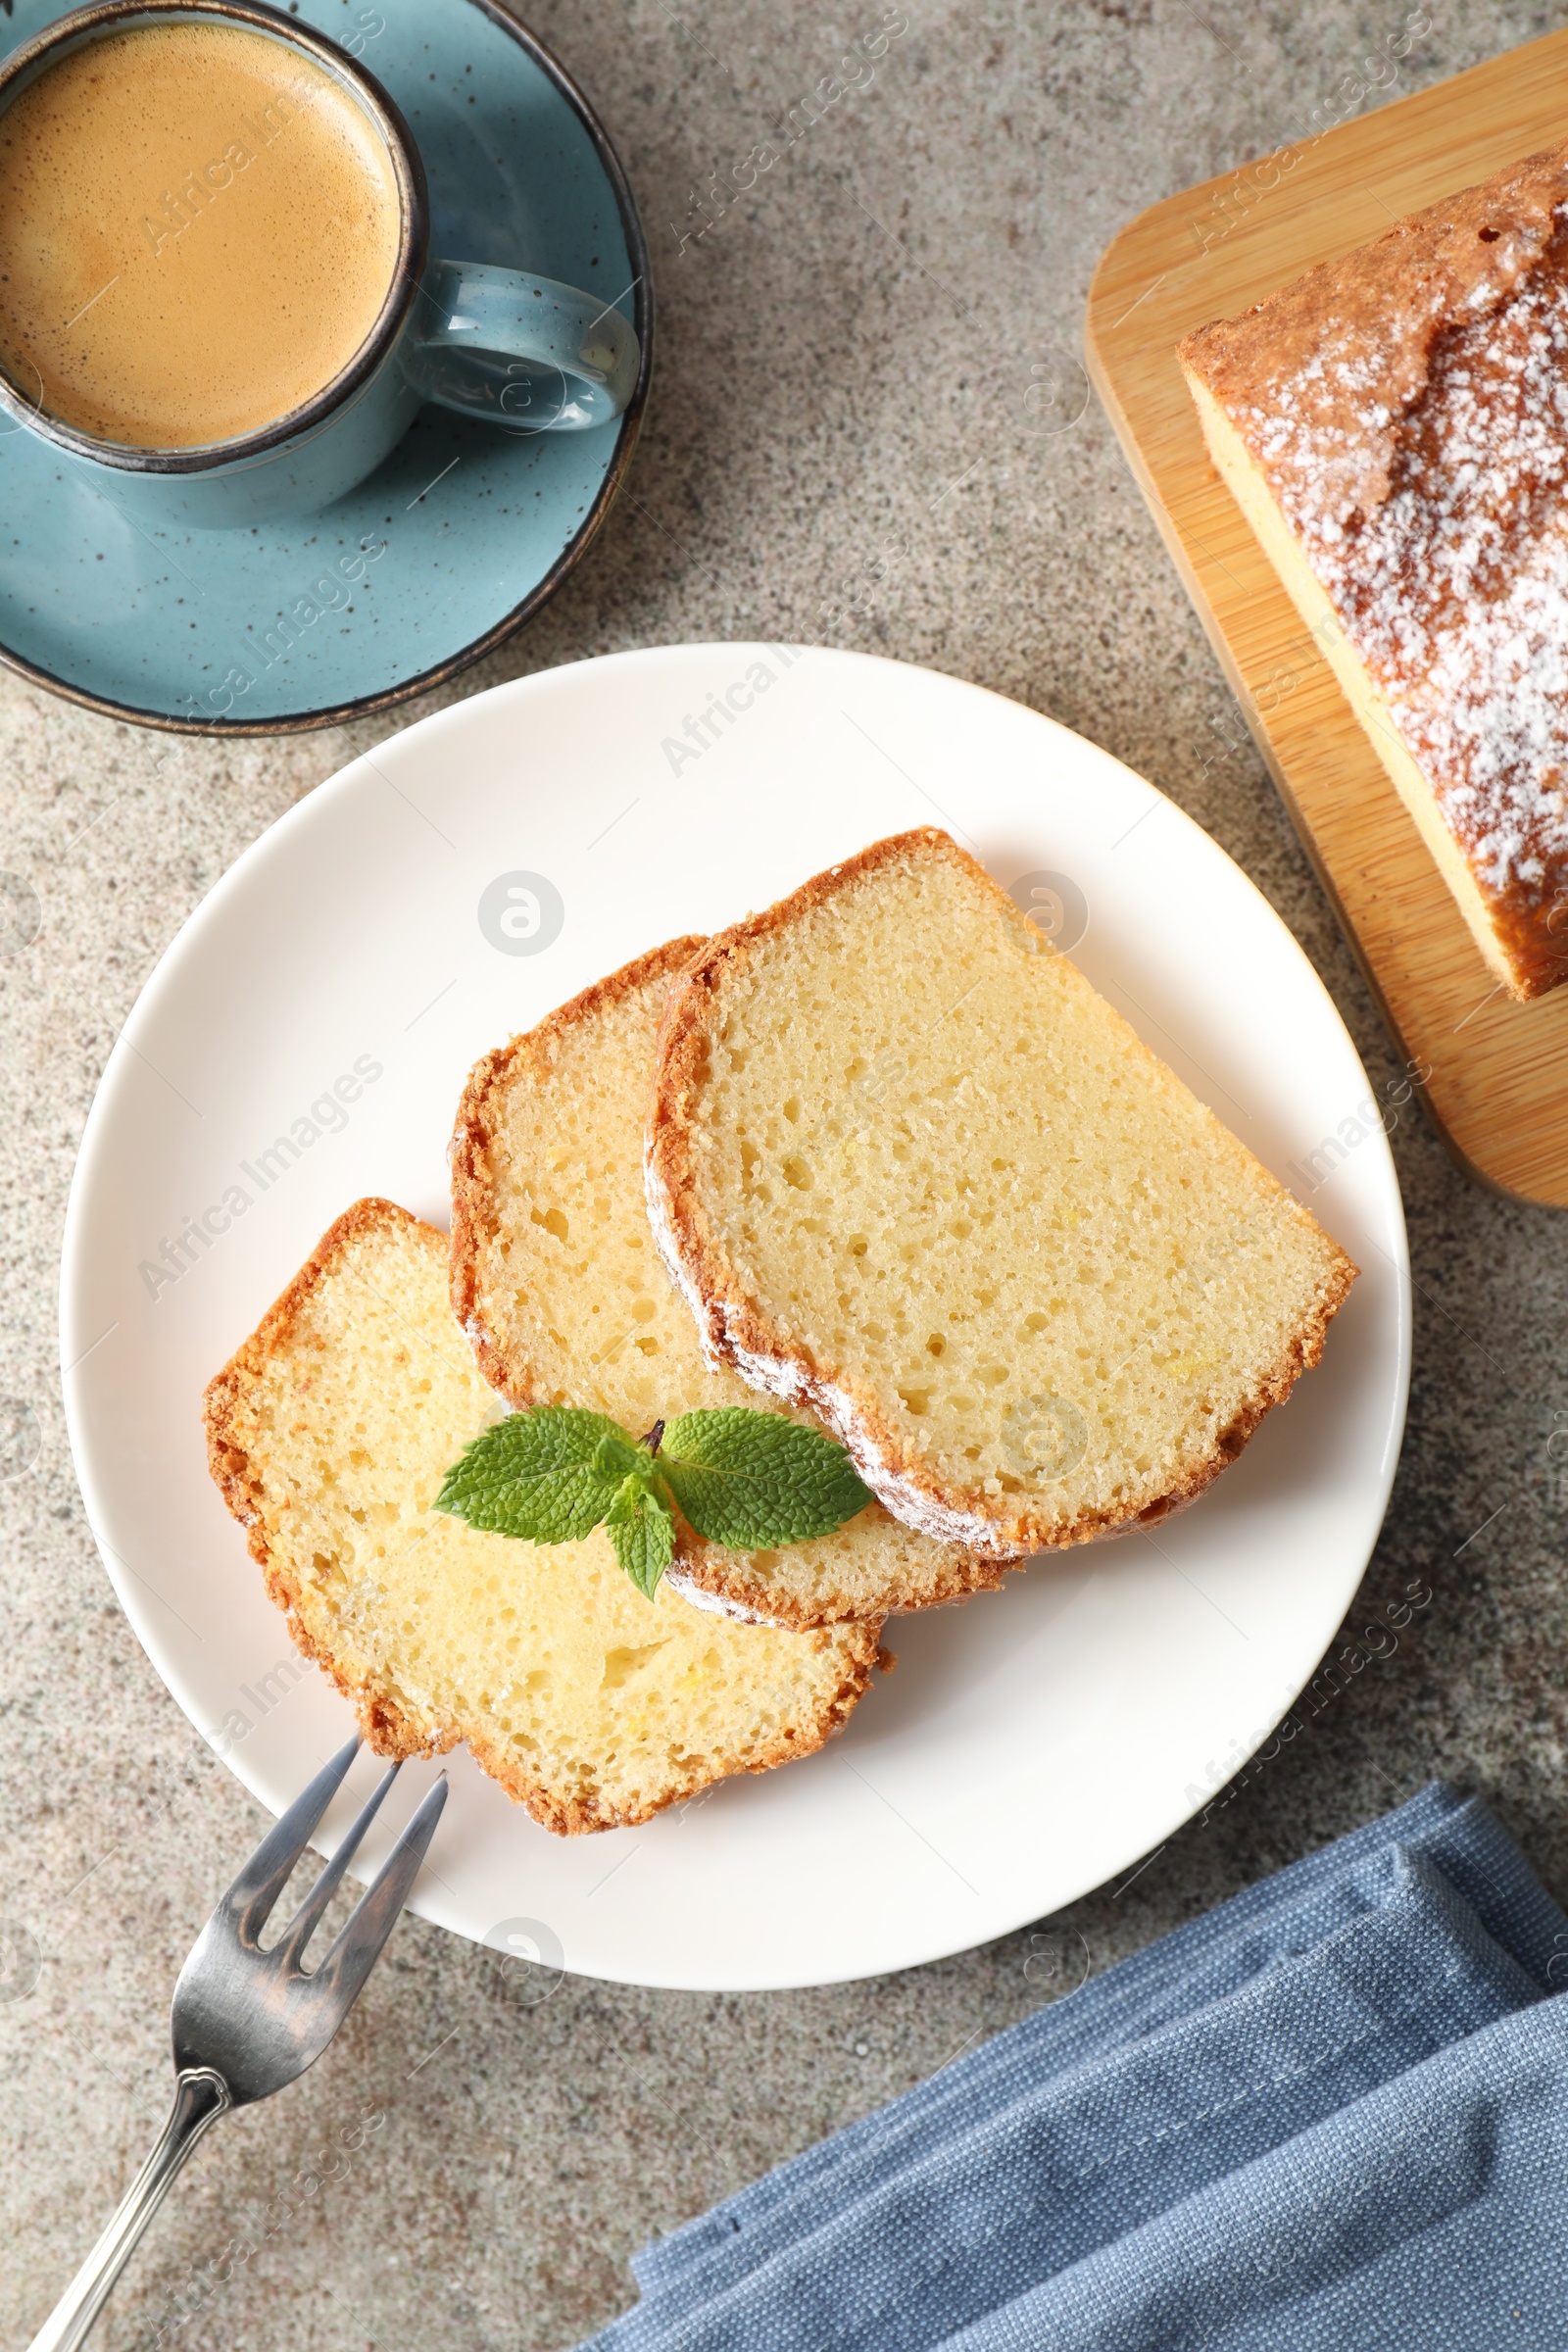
x=245, y=2022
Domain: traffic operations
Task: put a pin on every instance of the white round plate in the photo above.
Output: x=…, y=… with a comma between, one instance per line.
x=1032, y=1743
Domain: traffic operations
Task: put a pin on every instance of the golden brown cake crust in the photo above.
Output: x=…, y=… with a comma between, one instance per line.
x=730, y=1577
x=735, y=1332
x=386, y=1728
x=1404, y=406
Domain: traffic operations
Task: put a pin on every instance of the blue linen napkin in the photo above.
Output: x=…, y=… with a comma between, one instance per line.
x=1282, y=1914
x=1013, y=2176
x=1431, y=2216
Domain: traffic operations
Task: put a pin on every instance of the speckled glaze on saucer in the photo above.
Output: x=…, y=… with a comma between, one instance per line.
x=458, y=536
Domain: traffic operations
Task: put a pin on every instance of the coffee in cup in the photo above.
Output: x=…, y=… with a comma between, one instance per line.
x=199, y=229
x=217, y=299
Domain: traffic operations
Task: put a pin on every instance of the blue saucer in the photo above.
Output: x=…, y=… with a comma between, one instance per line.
x=464, y=531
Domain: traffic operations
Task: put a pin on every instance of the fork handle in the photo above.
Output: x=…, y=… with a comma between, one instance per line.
x=200, y=2096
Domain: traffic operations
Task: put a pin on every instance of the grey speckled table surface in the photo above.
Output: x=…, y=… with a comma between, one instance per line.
x=838, y=425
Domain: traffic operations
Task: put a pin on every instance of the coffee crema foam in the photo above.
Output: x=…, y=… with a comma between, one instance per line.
x=198, y=229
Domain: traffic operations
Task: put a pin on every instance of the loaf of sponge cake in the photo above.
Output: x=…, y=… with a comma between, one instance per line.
x=1393, y=426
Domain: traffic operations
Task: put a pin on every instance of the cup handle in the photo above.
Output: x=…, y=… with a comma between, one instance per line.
x=521, y=352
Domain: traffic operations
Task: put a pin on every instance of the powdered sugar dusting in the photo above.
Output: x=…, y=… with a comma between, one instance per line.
x=717, y=1604
x=1410, y=409
x=1455, y=588
x=662, y=1224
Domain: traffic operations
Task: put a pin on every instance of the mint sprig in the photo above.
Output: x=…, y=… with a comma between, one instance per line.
x=755, y=1481
x=751, y=1481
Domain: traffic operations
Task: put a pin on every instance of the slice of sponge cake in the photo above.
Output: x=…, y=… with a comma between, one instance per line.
x=556, y=1279
x=329, y=1435
x=909, y=1169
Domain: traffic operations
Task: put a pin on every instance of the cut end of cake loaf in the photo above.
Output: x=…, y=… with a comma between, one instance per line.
x=330, y=1434
x=909, y=1169
x=1391, y=426
x=556, y=1279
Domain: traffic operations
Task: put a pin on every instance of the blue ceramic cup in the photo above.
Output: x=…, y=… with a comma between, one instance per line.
x=521, y=352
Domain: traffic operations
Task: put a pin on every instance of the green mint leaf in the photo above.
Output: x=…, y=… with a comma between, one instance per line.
x=617, y=1458
x=642, y=1526
x=752, y=1480
x=535, y=1475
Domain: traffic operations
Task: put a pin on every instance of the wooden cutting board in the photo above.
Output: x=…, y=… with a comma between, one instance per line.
x=1493, y=1074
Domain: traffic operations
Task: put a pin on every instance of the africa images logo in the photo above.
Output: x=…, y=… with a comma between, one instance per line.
x=328, y=1114
x=702, y=730
x=521, y=913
